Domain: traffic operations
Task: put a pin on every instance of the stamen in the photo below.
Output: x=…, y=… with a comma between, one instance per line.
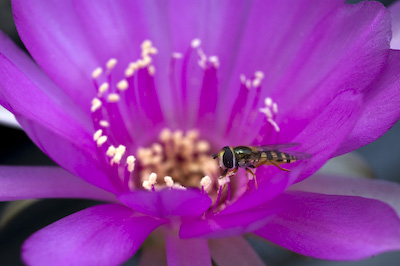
x=111, y=151
x=248, y=83
x=205, y=183
x=101, y=140
x=97, y=134
x=269, y=103
x=153, y=178
x=146, y=44
x=177, y=55
x=202, y=146
x=223, y=181
x=165, y=135
x=214, y=61
x=218, y=199
x=152, y=70
x=119, y=152
x=97, y=72
x=259, y=76
x=129, y=72
x=113, y=98
x=152, y=50
x=111, y=63
x=133, y=65
x=168, y=181
x=242, y=78
x=104, y=123
x=275, y=108
x=146, y=185
x=103, y=88
x=130, y=161
x=96, y=104
x=195, y=43
x=122, y=85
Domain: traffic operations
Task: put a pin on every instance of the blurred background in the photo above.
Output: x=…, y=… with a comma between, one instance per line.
x=20, y=219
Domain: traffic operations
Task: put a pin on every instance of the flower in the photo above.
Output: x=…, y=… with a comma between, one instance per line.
x=132, y=97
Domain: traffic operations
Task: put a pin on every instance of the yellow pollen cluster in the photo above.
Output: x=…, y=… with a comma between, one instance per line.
x=179, y=160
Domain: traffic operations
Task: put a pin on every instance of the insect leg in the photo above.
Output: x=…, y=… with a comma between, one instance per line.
x=225, y=172
x=235, y=170
x=284, y=169
x=254, y=176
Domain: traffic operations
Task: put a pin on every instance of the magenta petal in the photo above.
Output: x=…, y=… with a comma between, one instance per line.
x=21, y=182
x=167, y=202
x=233, y=251
x=381, y=107
x=182, y=252
x=27, y=66
x=333, y=227
x=56, y=129
x=325, y=66
x=226, y=225
x=101, y=235
x=83, y=35
x=388, y=192
x=70, y=48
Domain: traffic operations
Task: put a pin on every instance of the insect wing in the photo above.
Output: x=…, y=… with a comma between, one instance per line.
x=300, y=155
x=282, y=147
x=276, y=147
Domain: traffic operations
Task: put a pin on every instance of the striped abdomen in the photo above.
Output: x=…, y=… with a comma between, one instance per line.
x=276, y=157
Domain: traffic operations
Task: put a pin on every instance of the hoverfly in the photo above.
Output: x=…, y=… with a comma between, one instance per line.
x=231, y=158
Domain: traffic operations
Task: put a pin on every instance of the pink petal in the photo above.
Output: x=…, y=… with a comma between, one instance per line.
x=388, y=192
x=100, y=235
x=227, y=225
x=333, y=227
x=84, y=35
x=380, y=110
x=27, y=66
x=182, y=252
x=233, y=251
x=66, y=43
x=167, y=202
x=19, y=182
x=56, y=128
x=329, y=61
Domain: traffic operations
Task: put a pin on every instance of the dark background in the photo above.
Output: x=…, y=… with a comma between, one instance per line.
x=17, y=149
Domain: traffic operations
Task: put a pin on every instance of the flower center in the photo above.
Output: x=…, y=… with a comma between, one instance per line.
x=178, y=160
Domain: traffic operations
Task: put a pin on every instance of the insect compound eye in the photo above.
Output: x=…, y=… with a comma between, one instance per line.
x=228, y=158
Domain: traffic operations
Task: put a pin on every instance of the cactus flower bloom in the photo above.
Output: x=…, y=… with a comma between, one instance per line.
x=130, y=99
